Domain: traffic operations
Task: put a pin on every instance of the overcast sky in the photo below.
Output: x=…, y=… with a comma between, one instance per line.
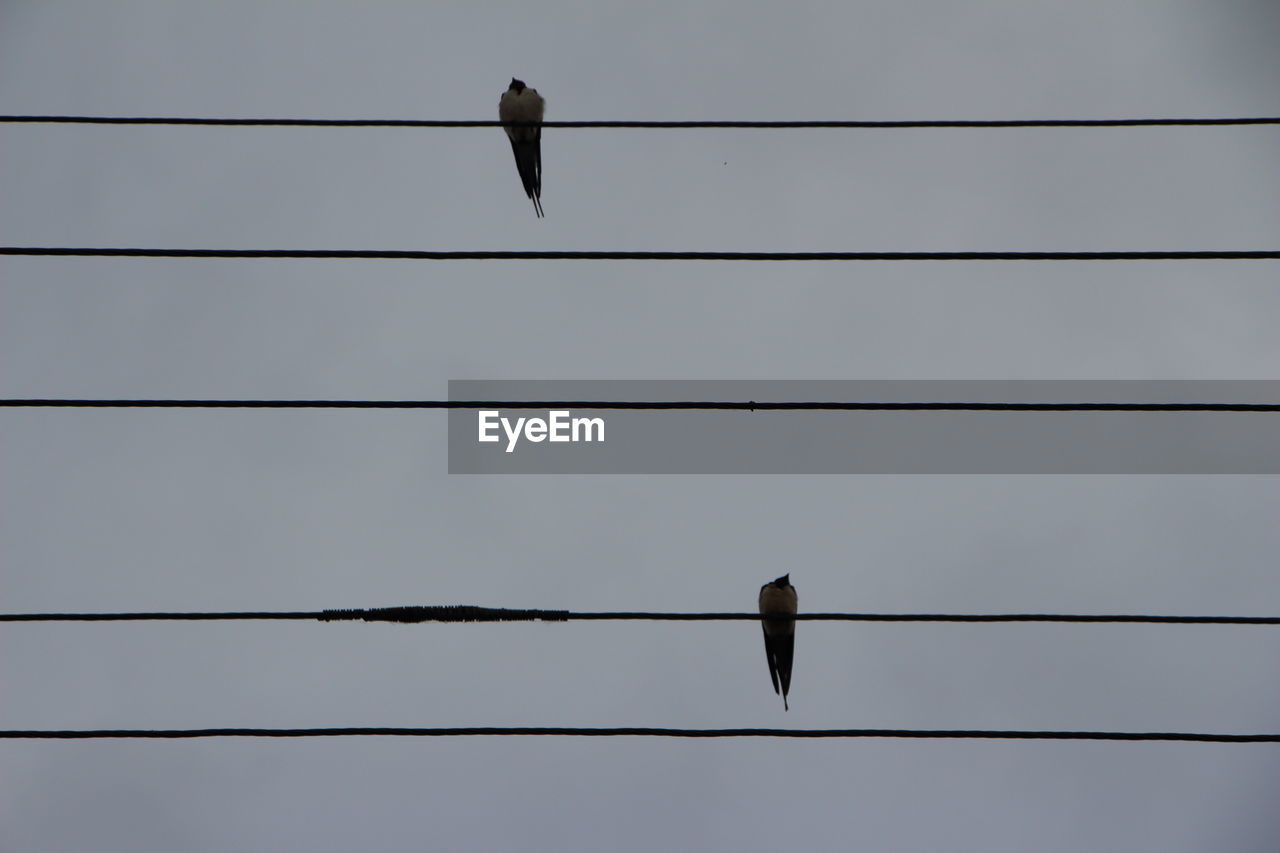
x=108, y=510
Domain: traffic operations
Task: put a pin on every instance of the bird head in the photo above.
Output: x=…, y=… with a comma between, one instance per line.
x=517, y=85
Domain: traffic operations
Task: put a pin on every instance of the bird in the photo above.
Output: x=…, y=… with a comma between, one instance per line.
x=522, y=104
x=777, y=611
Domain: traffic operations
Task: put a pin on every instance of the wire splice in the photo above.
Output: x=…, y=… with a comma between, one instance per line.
x=444, y=613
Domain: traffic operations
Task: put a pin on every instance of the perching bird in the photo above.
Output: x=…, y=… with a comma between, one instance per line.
x=520, y=103
x=777, y=603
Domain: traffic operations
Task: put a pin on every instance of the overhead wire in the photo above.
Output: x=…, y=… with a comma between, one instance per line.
x=713, y=405
x=752, y=125
x=472, y=613
x=557, y=255
x=630, y=731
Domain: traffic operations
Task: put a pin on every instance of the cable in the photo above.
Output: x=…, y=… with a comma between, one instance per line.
x=730, y=405
x=470, y=613
x=414, y=255
x=393, y=731
x=312, y=122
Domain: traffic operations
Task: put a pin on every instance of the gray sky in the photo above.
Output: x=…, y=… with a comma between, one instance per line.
x=207, y=510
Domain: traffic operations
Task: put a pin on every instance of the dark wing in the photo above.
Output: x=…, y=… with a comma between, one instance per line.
x=770, y=649
x=784, y=648
x=537, y=162
x=528, y=154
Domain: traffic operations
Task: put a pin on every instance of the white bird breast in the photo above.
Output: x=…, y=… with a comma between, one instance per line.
x=773, y=600
x=523, y=106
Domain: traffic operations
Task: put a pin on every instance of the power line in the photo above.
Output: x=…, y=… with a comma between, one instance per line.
x=754, y=125
x=471, y=613
x=729, y=405
x=524, y=731
x=423, y=255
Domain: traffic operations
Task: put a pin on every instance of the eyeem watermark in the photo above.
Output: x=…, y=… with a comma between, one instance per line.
x=553, y=428
x=558, y=426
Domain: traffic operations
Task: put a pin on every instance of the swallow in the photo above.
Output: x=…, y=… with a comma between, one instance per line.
x=777, y=609
x=522, y=104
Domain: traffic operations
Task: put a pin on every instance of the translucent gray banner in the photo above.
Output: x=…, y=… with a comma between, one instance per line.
x=586, y=440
